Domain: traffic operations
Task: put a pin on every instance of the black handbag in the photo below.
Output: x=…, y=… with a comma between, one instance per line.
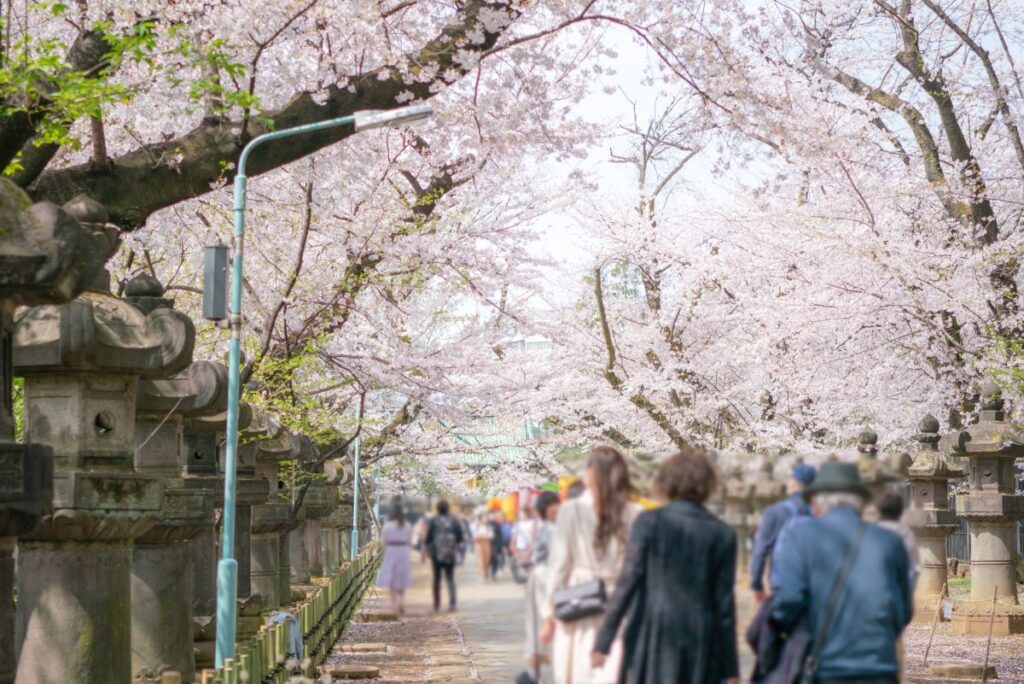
x=581, y=601
x=526, y=677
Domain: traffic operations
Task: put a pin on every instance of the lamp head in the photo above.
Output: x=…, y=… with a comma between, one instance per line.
x=403, y=116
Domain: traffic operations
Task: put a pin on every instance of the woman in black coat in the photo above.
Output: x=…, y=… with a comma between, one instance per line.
x=677, y=584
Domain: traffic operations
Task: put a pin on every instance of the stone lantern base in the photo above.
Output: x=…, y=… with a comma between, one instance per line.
x=973, y=618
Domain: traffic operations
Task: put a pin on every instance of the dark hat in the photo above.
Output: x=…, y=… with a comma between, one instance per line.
x=834, y=476
x=804, y=473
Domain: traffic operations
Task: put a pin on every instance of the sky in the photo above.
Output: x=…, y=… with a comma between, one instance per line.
x=562, y=234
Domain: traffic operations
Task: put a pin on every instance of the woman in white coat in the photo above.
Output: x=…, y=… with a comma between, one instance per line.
x=589, y=543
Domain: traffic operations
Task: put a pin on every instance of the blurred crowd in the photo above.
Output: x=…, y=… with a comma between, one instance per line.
x=616, y=593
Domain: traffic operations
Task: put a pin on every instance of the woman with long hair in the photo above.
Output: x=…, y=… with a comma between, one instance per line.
x=681, y=626
x=396, y=566
x=589, y=543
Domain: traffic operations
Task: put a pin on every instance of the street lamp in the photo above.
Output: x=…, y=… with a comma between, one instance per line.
x=227, y=568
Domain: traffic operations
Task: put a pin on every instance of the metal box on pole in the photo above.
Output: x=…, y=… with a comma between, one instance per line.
x=215, y=283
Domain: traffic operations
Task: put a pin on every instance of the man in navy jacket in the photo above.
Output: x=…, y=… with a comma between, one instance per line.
x=773, y=520
x=876, y=603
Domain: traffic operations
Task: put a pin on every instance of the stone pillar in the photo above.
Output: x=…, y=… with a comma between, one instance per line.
x=47, y=257
x=345, y=530
x=161, y=562
x=202, y=434
x=318, y=501
x=929, y=514
x=331, y=532
x=877, y=475
x=272, y=521
x=738, y=494
x=766, y=491
x=268, y=521
x=315, y=544
x=201, y=473
x=298, y=552
x=992, y=509
x=81, y=362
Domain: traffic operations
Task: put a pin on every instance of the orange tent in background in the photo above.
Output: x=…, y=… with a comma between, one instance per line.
x=564, y=483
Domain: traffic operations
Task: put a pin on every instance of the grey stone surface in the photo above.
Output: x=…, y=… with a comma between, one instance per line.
x=990, y=506
x=81, y=361
x=929, y=514
x=76, y=626
x=299, y=554
x=162, y=599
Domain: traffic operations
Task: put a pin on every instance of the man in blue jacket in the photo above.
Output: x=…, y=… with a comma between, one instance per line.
x=874, y=605
x=773, y=520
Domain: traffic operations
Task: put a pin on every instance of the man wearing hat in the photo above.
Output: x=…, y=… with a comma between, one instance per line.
x=848, y=579
x=773, y=520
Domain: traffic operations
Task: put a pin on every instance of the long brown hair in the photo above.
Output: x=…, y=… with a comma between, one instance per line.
x=612, y=490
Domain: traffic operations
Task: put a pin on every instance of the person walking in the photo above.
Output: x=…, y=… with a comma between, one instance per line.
x=524, y=533
x=890, y=512
x=444, y=536
x=546, y=507
x=677, y=586
x=850, y=581
x=773, y=520
x=396, y=565
x=497, y=543
x=482, y=537
x=588, y=544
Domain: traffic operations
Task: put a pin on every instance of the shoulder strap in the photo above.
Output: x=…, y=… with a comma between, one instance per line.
x=833, y=601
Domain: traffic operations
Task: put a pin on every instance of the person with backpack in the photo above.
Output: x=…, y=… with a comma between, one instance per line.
x=774, y=518
x=444, y=538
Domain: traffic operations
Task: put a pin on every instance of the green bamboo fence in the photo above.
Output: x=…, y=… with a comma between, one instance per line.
x=323, y=617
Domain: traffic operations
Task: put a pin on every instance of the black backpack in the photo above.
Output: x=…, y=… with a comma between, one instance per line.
x=445, y=540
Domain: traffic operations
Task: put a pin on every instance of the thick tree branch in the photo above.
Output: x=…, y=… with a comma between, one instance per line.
x=86, y=55
x=933, y=83
x=993, y=79
x=134, y=187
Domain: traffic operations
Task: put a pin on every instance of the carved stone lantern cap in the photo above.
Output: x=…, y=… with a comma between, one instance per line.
x=262, y=426
x=284, y=446
x=199, y=390
x=46, y=255
x=99, y=332
x=928, y=432
x=868, y=442
x=216, y=423
x=146, y=293
x=991, y=435
x=991, y=396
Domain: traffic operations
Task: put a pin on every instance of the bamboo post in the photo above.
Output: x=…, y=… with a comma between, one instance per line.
x=935, y=621
x=988, y=644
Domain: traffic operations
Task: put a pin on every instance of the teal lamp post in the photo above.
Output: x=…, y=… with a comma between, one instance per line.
x=227, y=568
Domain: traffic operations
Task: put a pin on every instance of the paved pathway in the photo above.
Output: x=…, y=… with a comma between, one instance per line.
x=483, y=642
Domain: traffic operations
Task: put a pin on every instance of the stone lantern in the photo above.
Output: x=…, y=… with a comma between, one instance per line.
x=332, y=525
x=877, y=475
x=252, y=491
x=992, y=509
x=738, y=493
x=202, y=435
x=46, y=257
x=317, y=503
x=766, y=491
x=929, y=514
x=162, y=593
x=271, y=522
x=81, y=362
